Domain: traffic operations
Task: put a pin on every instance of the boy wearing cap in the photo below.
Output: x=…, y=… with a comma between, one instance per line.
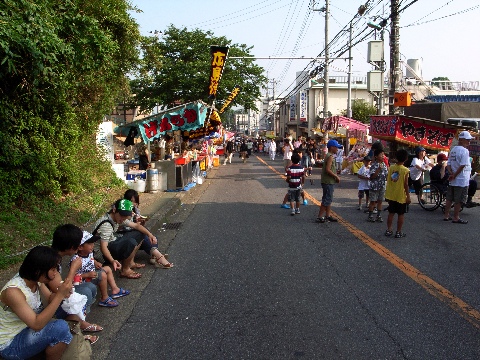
x=363, y=177
x=93, y=272
x=459, y=168
x=120, y=251
x=329, y=178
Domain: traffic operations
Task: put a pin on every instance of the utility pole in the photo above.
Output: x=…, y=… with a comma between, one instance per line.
x=325, y=68
x=394, y=54
x=349, y=92
x=326, y=75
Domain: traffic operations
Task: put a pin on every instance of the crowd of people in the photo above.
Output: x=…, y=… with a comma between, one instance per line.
x=27, y=327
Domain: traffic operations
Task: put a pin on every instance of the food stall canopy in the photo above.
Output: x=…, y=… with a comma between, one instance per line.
x=354, y=128
x=431, y=134
x=186, y=117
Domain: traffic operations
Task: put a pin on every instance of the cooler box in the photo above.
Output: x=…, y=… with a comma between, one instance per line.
x=180, y=161
x=220, y=151
x=132, y=175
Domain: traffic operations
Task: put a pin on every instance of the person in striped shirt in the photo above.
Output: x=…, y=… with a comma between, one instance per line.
x=295, y=179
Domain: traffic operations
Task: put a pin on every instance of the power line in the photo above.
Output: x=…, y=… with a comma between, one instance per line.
x=443, y=17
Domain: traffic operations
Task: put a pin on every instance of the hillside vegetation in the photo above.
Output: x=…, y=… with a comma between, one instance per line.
x=63, y=66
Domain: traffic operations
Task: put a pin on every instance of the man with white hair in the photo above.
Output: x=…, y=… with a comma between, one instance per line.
x=459, y=168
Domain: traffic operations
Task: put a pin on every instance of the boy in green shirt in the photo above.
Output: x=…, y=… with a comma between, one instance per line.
x=329, y=178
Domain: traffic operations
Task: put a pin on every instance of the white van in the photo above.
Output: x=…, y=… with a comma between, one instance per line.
x=473, y=123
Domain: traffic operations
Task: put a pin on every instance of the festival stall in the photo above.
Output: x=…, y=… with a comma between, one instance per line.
x=353, y=134
x=197, y=123
x=413, y=131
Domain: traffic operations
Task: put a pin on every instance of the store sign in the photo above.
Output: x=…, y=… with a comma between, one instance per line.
x=474, y=146
x=293, y=108
x=230, y=98
x=303, y=106
x=411, y=132
x=190, y=117
x=219, y=56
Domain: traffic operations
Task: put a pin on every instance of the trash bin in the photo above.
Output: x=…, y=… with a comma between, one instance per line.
x=152, y=180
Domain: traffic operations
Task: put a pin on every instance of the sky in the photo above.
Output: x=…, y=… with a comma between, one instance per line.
x=442, y=34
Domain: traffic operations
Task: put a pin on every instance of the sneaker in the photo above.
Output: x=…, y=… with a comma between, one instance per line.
x=371, y=219
x=359, y=208
x=388, y=233
x=293, y=212
x=331, y=219
x=305, y=202
x=285, y=206
x=399, y=235
x=297, y=211
x=379, y=219
x=321, y=219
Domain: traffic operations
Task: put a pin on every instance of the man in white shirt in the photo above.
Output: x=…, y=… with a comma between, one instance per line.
x=459, y=168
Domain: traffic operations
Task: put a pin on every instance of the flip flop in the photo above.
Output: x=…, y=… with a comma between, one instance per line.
x=92, y=338
x=131, y=275
x=93, y=328
x=121, y=293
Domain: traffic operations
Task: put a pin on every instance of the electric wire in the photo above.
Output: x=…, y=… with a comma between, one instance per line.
x=231, y=15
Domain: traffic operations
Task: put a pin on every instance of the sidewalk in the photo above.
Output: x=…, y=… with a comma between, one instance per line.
x=161, y=208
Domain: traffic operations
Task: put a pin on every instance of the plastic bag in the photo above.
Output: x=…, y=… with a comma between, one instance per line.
x=75, y=305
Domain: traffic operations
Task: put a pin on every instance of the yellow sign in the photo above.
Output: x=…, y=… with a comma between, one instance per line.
x=219, y=56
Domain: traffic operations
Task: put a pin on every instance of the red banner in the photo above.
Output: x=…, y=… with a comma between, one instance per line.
x=412, y=132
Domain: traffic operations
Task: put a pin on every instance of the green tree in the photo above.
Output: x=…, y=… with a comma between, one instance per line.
x=176, y=69
x=63, y=65
x=361, y=111
x=442, y=82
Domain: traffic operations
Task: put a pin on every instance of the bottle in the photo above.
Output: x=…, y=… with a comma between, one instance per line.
x=77, y=279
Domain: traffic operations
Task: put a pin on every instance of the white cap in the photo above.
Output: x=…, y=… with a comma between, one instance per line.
x=465, y=135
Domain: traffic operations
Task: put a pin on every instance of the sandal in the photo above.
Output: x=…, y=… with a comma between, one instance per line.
x=121, y=293
x=108, y=302
x=460, y=221
x=399, y=235
x=131, y=275
x=388, y=233
x=93, y=328
x=168, y=265
x=92, y=338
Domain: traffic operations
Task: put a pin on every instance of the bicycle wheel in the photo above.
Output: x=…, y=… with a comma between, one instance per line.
x=429, y=197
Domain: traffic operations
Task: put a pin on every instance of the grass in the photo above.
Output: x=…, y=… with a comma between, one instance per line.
x=27, y=225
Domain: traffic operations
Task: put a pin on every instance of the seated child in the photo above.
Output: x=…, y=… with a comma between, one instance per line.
x=93, y=271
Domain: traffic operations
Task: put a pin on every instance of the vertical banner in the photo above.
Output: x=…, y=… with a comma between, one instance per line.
x=230, y=98
x=293, y=107
x=303, y=106
x=219, y=56
x=105, y=139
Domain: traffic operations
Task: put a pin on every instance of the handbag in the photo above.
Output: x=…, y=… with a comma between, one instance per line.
x=79, y=348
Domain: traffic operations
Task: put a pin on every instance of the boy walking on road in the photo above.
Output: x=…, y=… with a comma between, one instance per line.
x=295, y=179
x=329, y=178
x=378, y=176
x=363, y=177
x=397, y=193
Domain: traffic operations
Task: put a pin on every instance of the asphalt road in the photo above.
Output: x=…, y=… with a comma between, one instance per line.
x=252, y=282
